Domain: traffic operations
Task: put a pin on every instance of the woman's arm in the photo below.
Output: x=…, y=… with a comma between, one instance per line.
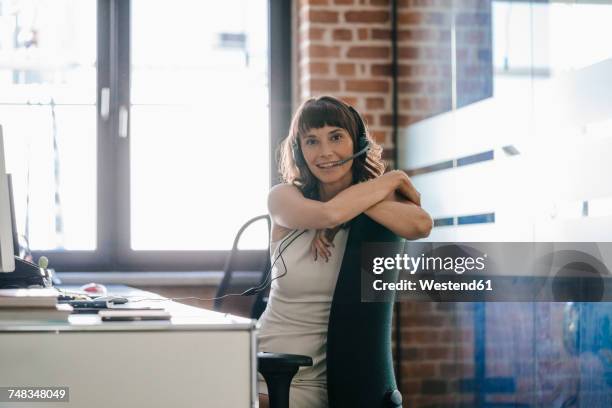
x=290, y=209
x=401, y=216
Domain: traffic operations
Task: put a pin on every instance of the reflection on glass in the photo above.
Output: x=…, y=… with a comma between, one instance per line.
x=199, y=123
x=531, y=83
x=47, y=110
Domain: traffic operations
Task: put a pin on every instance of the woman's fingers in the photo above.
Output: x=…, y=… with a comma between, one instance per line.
x=319, y=247
x=323, y=251
x=407, y=189
x=313, y=250
x=326, y=240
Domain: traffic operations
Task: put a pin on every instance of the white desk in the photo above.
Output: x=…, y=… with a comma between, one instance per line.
x=198, y=359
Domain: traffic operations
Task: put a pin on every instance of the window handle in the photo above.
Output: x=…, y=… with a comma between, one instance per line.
x=104, y=103
x=123, y=121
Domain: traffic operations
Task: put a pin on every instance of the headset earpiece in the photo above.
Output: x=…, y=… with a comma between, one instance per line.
x=362, y=136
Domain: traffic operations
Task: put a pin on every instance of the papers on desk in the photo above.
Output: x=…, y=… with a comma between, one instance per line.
x=58, y=313
x=46, y=297
x=32, y=305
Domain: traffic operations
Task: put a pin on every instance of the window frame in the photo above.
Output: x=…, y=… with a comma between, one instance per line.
x=113, y=251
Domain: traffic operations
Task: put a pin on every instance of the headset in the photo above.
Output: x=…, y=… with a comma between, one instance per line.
x=363, y=144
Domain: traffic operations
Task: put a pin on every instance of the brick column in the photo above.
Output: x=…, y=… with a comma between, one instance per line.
x=344, y=49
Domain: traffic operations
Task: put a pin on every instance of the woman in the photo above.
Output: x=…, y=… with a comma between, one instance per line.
x=324, y=189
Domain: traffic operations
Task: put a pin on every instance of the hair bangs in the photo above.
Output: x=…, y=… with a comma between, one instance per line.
x=320, y=113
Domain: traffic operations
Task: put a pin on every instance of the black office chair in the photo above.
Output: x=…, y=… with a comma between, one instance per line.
x=359, y=357
x=252, y=264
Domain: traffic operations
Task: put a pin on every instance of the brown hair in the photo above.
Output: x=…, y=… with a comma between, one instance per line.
x=316, y=113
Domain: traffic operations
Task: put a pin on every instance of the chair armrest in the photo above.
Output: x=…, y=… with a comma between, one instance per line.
x=270, y=362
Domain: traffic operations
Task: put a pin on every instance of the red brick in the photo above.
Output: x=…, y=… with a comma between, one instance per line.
x=455, y=369
x=417, y=306
x=369, y=16
x=414, y=321
x=387, y=120
x=387, y=155
x=322, y=16
x=430, y=3
x=379, y=136
x=318, y=68
x=438, y=353
x=367, y=85
x=406, y=70
x=314, y=33
x=351, y=100
x=410, y=86
x=381, y=34
x=345, y=69
x=419, y=34
x=406, y=104
x=369, y=52
x=323, y=51
x=418, y=370
x=410, y=17
x=324, y=85
x=314, y=2
x=363, y=33
x=342, y=34
x=423, y=104
x=368, y=119
x=375, y=103
x=423, y=336
x=344, y=2
x=380, y=2
x=381, y=70
x=408, y=52
x=410, y=387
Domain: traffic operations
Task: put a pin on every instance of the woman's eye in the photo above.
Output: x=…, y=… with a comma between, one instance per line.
x=336, y=137
x=310, y=141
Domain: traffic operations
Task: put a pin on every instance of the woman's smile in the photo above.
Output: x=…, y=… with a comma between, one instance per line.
x=328, y=165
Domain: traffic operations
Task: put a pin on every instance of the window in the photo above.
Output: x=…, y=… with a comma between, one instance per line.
x=139, y=132
x=48, y=113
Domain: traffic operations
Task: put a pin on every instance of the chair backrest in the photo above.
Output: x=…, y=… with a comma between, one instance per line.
x=359, y=356
x=256, y=264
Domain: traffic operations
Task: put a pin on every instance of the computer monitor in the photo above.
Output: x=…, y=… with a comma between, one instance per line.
x=7, y=250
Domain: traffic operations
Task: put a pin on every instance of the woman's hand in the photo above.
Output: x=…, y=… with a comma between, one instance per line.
x=403, y=185
x=322, y=241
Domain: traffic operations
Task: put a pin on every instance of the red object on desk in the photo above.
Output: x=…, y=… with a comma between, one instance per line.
x=94, y=289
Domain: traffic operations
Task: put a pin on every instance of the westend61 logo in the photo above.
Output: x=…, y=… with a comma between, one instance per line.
x=424, y=263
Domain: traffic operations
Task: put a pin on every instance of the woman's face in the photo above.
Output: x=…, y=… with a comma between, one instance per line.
x=323, y=146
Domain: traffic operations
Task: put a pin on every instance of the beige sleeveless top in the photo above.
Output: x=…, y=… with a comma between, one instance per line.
x=296, y=317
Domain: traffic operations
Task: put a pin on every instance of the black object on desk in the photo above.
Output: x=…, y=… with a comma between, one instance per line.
x=102, y=302
x=116, y=315
x=88, y=304
x=95, y=310
x=26, y=274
